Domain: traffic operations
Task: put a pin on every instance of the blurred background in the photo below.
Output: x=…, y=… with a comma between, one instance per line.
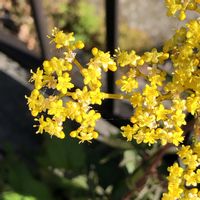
x=38, y=167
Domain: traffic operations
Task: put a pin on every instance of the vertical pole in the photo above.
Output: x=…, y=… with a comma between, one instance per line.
x=41, y=27
x=111, y=44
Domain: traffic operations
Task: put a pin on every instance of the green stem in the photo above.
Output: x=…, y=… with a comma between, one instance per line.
x=116, y=96
x=78, y=64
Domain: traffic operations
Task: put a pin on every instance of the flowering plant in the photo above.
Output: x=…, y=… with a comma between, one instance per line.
x=160, y=107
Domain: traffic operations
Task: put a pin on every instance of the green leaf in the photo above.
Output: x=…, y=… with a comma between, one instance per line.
x=130, y=160
x=65, y=154
x=80, y=181
x=22, y=181
x=15, y=196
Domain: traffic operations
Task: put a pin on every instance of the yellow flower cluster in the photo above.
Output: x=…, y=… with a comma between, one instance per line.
x=51, y=111
x=181, y=6
x=184, y=177
x=160, y=107
x=160, y=99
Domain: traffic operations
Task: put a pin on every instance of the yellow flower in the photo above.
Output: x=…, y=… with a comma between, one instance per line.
x=56, y=65
x=84, y=134
x=124, y=58
x=184, y=151
x=155, y=57
x=193, y=103
x=62, y=40
x=56, y=108
x=64, y=83
x=156, y=77
x=92, y=75
x=197, y=150
x=176, y=136
x=150, y=136
x=42, y=124
x=190, y=178
x=37, y=78
x=87, y=136
x=53, y=127
x=144, y=119
x=82, y=96
x=172, y=6
x=96, y=96
x=128, y=131
x=36, y=102
x=103, y=60
x=163, y=135
x=90, y=118
x=188, y=157
x=174, y=185
x=127, y=84
x=182, y=15
x=150, y=93
x=49, y=81
x=162, y=113
x=191, y=194
x=179, y=118
x=79, y=44
x=136, y=99
x=193, y=32
x=73, y=111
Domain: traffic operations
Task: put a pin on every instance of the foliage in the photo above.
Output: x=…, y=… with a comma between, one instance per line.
x=79, y=16
x=63, y=169
x=15, y=196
